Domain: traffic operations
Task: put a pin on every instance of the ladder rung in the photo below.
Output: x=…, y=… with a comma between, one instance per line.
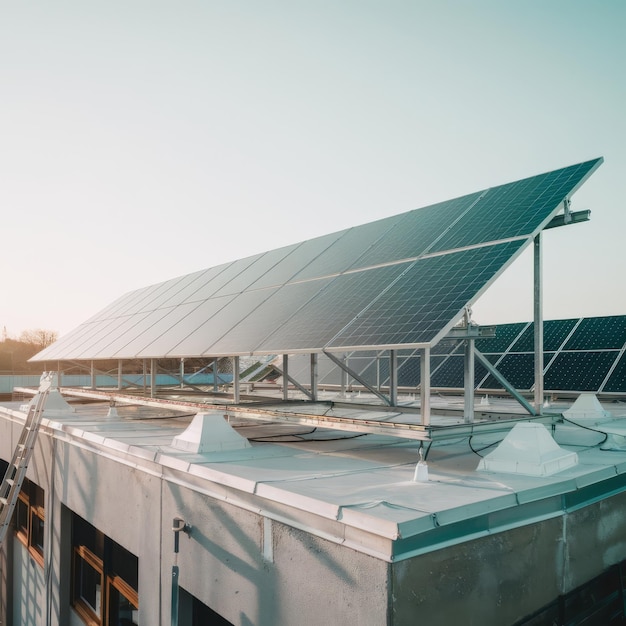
x=3, y=500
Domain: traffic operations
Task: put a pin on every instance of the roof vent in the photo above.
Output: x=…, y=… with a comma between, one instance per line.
x=587, y=407
x=56, y=404
x=530, y=450
x=209, y=432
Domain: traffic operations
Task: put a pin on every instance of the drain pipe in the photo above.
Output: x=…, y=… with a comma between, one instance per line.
x=178, y=526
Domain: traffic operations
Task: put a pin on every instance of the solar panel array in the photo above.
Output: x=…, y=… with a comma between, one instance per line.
x=584, y=354
x=399, y=282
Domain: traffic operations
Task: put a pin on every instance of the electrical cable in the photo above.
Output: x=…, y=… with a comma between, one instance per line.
x=479, y=450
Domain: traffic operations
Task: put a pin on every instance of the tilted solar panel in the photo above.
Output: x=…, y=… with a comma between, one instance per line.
x=399, y=282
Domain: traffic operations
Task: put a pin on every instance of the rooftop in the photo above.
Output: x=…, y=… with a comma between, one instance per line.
x=355, y=488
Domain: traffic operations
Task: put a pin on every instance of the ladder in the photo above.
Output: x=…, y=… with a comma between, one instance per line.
x=14, y=476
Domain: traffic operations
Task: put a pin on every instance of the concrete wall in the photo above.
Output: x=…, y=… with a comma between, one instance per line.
x=255, y=571
x=29, y=591
x=503, y=578
x=226, y=562
x=250, y=570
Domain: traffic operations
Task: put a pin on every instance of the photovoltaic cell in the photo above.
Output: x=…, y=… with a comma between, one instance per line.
x=598, y=333
x=413, y=233
x=554, y=334
x=416, y=307
x=263, y=265
x=278, y=307
x=578, y=371
x=514, y=209
x=367, y=300
x=617, y=381
x=299, y=258
x=341, y=254
x=330, y=310
x=505, y=336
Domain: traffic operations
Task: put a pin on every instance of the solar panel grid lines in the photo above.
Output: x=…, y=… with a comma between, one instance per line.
x=263, y=264
x=329, y=310
x=106, y=332
x=139, y=325
x=614, y=365
x=527, y=206
x=599, y=333
x=399, y=281
x=555, y=333
x=344, y=253
x=616, y=379
x=275, y=308
x=578, y=371
x=433, y=292
x=412, y=233
x=230, y=272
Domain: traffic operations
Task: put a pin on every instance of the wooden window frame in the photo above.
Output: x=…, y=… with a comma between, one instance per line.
x=84, y=610
x=108, y=581
x=122, y=587
x=25, y=534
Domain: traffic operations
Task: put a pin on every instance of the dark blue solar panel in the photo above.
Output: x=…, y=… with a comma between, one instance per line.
x=505, y=336
x=578, y=371
x=330, y=310
x=599, y=333
x=515, y=209
x=275, y=309
x=617, y=381
x=373, y=306
x=351, y=246
x=414, y=232
x=554, y=334
x=427, y=297
x=447, y=371
x=518, y=369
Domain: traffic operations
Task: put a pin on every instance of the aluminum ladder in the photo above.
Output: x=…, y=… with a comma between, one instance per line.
x=14, y=476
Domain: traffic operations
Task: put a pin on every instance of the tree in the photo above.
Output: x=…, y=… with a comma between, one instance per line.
x=39, y=338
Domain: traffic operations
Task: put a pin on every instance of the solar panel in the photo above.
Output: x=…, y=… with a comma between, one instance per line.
x=598, y=333
x=398, y=282
x=506, y=334
x=554, y=334
x=579, y=371
x=617, y=380
x=427, y=298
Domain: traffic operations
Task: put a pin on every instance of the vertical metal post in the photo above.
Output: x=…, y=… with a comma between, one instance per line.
x=285, y=377
x=344, y=377
x=92, y=375
x=236, y=388
x=214, y=375
x=119, y=374
x=468, y=377
x=425, y=386
x=314, y=376
x=59, y=374
x=538, y=319
x=145, y=376
x=153, y=369
x=378, y=371
x=182, y=372
x=393, y=377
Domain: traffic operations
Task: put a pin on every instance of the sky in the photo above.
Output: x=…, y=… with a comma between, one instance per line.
x=143, y=140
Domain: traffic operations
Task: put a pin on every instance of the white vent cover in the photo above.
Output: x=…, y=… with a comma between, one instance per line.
x=209, y=432
x=55, y=404
x=530, y=450
x=587, y=407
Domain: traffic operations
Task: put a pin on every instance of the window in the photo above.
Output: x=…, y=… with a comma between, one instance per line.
x=30, y=519
x=105, y=577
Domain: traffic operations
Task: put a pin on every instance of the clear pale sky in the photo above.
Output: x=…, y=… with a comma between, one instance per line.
x=142, y=140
